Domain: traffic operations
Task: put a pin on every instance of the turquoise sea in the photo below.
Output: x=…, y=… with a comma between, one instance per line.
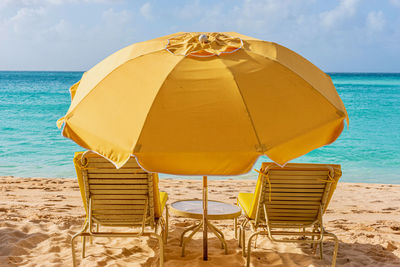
x=32, y=146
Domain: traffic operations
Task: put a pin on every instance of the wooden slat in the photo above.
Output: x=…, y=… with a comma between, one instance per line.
x=118, y=192
x=118, y=212
x=119, y=218
x=110, y=165
x=289, y=218
x=121, y=224
x=293, y=190
x=118, y=186
x=100, y=202
x=299, y=173
x=118, y=176
x=296, y=202
x=118, y=181
x=118, y=196
x=295, y=194
x=132, y=170
x=297, y=177
x=97, y=206
x=292, y=222
x=299, y=181
x=305, y=207
x=290, y=185
x=294, y=211
x=300, y=197
x=102, y=160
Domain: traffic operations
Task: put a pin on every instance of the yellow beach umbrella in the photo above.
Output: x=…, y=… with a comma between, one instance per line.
x=203, y=104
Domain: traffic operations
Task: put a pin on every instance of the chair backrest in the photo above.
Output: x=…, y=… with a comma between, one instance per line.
x=119, y=197
x=295, y=195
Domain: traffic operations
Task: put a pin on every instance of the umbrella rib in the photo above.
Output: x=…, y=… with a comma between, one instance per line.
x=154, y=99
x=287, y=67
x=105, y=77
x=247, y=109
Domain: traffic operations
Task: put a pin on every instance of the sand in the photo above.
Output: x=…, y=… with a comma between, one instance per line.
x=39, y=215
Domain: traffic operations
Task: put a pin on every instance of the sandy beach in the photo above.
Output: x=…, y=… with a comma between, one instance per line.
x=38, y=216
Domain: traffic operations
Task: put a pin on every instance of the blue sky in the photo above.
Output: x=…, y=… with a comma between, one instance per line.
x=336, y=35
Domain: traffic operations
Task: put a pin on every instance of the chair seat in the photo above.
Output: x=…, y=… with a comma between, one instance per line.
x=163, y=200
x=245, y=200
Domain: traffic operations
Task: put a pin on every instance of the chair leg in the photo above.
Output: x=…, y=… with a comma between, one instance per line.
x=156, y=227
x=83, y=246
x=161, y=244
x=163, y=230
x=314, y=245
x=321, y=250
x=243, y=226
x=73, y=249
x=97, y=230
x=249, y=249
x=166, y=223
x=235, y=226
x=335, y=251
x=243, y=242
x=240, y=237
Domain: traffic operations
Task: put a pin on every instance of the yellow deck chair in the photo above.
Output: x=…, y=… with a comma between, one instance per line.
x=288, y=199
x=125, y=197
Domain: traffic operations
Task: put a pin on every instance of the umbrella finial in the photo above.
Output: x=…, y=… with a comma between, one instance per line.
x=203, y=39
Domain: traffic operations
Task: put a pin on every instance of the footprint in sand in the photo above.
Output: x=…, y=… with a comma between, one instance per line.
x=392, y=208
x=56, y=259
x=54, y=249
x=183, y=224
x=342, y=227
x=395, y=228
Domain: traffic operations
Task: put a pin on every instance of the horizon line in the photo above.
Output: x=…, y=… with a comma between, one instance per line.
x=333, y=72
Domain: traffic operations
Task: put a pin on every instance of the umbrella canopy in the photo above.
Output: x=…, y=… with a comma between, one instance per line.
x=203, y=104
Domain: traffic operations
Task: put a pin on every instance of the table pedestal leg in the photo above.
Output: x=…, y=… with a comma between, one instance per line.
x=187, y=230
x=195, y=228
x=184, y=241
x=219, y=235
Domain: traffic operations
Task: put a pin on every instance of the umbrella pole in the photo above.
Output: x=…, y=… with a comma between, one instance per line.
x=205, y=223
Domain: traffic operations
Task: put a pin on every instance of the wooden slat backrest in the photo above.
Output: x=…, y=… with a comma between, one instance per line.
x=294, y=195
x=119, y=196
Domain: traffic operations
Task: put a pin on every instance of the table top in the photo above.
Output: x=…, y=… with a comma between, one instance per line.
x=193, y=208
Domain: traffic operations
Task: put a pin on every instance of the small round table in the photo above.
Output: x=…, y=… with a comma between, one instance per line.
x=193, y=208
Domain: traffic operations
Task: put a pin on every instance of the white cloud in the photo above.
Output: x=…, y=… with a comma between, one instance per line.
x=145, y=10
x=27, y=19
x=395, y=3
x=375, y=21
x=112, y=17
x=345, y=9
x=32, y=3
x=324, y=33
